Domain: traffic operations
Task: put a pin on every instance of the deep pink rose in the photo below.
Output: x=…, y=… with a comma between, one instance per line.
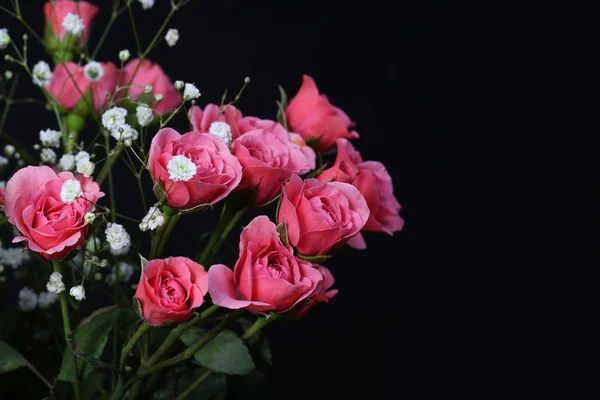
x=170, y=289
x=34, y=206
x=268, y=159
x=54, y=15
x=150, y=74
x=320, y=217
x=312, y=116
x=321, y=293
x=2, y=194
x=374, y=182
x=68, y=83
x=218, y=172
x=267, y=277
x=203, y=119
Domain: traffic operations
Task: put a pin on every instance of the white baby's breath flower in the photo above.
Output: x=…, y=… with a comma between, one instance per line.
x=4, y=38
x=89, y=217
x=114, y=117
x=144, y=115
x=124, y=55
x=70, y=191
x=93, y=71
x=222, y=131
x=9, y=150
x=123, y=132
x=50, y=138
x=13, y=257
x=117, y=236
x=42, y=74
x=73, y=24
x=172, y=37
x=3, y=161
x=66, y=162
x=85, y=167
x=93, y=244
x=146, y=4
x=48, y=156
x=47, y=299
x=158, y=97
x=55, y=283
x=77, y=292
x=28, y=299
x=8, y=74
x=179, y=85
x=190, y=92
x=153, y=219
x=181, y=168
x=147, y=88
x=82, y=155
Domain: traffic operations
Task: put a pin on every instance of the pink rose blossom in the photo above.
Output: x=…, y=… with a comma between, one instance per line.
x=218, y=172
x=321, y=217
x=267, y=277
x=150, y=74
x=54, y=15
x=203, y=119
x=34, y=206
x=312, y=116
x=2, y=195
x=170, y=289
x=321, y=293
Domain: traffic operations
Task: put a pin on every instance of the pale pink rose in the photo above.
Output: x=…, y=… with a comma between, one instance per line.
x=170, y=289
x=55, y=13
x=374, y=182
x=69, y=83
x=320, y=217
x=34, y=206
x=312, y=116
x=267, y=277
x=321, y=293
x=203, y=119
x=218, y=172
x=268, y=159
x=150, y=74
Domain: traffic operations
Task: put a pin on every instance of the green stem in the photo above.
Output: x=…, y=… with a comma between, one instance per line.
x=108, y=164
x=230, y=216
x=67, y=329
x=111, y=188
x=194, y=385
x=133, y=26
x=162, y=234
x=124, y=353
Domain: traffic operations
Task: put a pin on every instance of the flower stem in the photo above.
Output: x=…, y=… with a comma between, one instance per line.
x=194, y=385
x=124, y=353
x=67, y=329
x=108, y=164
x=162, y=234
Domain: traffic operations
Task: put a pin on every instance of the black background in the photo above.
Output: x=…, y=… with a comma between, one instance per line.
x=486, y=118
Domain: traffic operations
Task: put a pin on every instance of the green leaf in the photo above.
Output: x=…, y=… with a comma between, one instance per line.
x=317, y=171
x=90, y=338
x=159, y=190
x=3, y=220
x=225, y=354
x=10, y=359
x=259, y=344
x=282, y=230
x=313, y=142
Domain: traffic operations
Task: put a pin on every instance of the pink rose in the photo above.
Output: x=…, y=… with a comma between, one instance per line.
x=320, y=217
x=321, y=293
x=54, y=15
x=2, y=195
x=268, y=159
x=374, y=182
x=68, y=83
x=311, y=156
x=170, y=289
x=203, y=119
x=267, y=277
x=34, y=206
x=312, y=116
x=150, y=74
x=218, y=172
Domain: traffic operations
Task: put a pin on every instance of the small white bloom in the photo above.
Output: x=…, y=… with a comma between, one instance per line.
x=222, y=131
x=93, y=71
x=48, y=156
x=47, y=299
x=3, y=161
x=73, y=24
x=154, y=218
x=127, y=143
x=123, y=132
x=178, y=85
x=8, y=74
x=190, y=92
x=13, y=257
x=4, y=38
x=50, y=138
x=77, y=292
x=9, y=150
x=124, y=55
x=147, y=88
x=181, y=168
x=172, y=37
x=66, y=162
x=247, y=80
x=82, y=155
x=144, y=115
x=28, y=299
x=70, y=191
x=42, y=74
x=89, y=217
x=117, y=236
x=85, y=167
x=125, y=272
x=114, y=117
x=146, y=4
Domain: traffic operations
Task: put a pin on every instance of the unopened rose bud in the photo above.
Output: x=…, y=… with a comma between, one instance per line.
x=179, y=85
x=89, y=217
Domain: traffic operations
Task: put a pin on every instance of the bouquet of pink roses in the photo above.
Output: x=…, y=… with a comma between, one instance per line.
x=194, y=319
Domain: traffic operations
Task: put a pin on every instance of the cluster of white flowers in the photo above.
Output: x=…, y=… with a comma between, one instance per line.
x=13, y=257
x=55, y=283
x=4, y=38
x=190, y=92
x=124, y=132
x=146, y=4
x=73, y=24
x=85, y=167
x=144, y=114
x=181, y=168
x=77, y=292
x=66, y=162
x=42, y=74
x=50, y=138
x=94, y=71
x=153, y=219
x=117, y=237
x=28, y=299
x=125, y=272
x=172, y=37
x=222, y=131
x=70, y=191
x=114, y=117
x=48, y=156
